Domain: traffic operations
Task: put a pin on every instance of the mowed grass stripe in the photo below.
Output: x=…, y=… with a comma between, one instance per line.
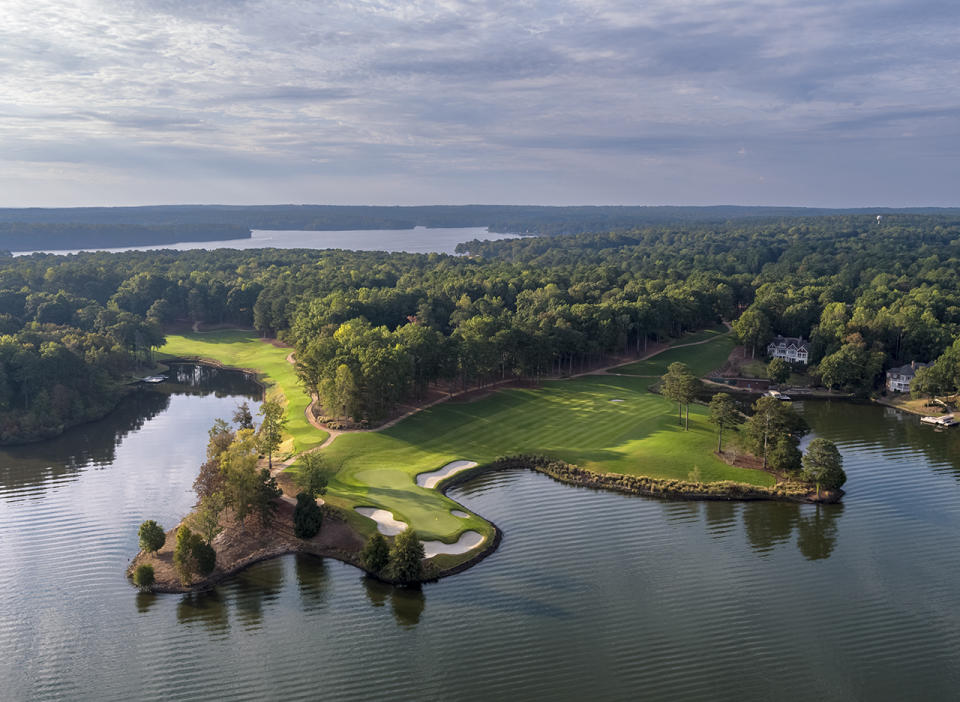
x=702, y=358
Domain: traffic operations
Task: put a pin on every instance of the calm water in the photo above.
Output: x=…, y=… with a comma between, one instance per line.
x=591, y=594
x=419, y=240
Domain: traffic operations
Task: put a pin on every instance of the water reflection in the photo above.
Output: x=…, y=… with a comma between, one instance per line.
x=768, y=524
x=313, y=581
x=206, y=608
x=255, y=588
x=200, y=379
x=407, y=603
x=145, y=600
x=817, y=532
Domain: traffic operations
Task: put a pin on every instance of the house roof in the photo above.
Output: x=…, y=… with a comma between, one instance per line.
x=796, y=342
x=909, y=370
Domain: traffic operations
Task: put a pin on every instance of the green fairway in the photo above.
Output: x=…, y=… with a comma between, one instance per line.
x=701, y=358
x=574, y=420
x=701, y=335
x=604, y=423
x=244, y=349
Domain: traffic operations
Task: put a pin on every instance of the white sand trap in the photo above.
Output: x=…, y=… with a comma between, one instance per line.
x=459, y=513
x=616, y=400
x=431, y=478
x=468, y=541
x=386, y=524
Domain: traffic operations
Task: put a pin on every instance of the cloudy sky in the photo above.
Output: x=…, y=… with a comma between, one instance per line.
x=792, y=102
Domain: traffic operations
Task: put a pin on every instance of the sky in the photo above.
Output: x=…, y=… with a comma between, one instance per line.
x=843, y=103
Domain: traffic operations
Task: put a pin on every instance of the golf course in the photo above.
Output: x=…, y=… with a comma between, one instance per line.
x=603, y=423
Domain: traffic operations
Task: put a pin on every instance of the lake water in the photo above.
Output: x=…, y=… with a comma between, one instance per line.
x=591, y=594
x=418, y=240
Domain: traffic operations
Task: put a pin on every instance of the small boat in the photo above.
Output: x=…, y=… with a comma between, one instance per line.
x=946, y=420
x=776, y=395
x=154, y=378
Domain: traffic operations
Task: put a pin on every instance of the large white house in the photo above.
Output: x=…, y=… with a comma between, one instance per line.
x=899, y=379
x=790, y=348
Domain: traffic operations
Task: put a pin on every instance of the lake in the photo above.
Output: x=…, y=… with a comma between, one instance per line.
x=591, y=594
x=418, y=240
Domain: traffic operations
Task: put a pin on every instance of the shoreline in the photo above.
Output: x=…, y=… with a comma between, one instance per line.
x=277, y=539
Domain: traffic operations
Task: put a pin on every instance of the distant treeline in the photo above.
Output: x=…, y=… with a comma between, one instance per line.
x=133, y=226
x=54, y=236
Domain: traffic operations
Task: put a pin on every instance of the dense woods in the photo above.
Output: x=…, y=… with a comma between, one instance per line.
x=373, y=330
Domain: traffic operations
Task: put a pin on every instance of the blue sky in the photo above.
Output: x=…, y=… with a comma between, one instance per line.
x=841, y=103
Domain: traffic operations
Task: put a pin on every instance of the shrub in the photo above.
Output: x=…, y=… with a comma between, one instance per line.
x=192, y=555
x=205, y=557
x=151, y=536
x=307, y=517
x=375, y=554
x=143, y=576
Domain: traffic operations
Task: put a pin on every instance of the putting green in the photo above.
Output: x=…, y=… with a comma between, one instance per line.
x=244, y=349
x=575, y=420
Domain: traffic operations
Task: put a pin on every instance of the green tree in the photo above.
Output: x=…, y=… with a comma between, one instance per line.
x=778, y=371
x=184, y=559
x=143, y=576
x=823, y=465
x=206, y=517
x=785, y=456
x=752, y=329
x=376, y=553
x=311, y=476
x=770, y=420
x=724, y=413
x=406, y=557
x=307, y=516
x=271, y=428
x=151, y=536
x=680, y=385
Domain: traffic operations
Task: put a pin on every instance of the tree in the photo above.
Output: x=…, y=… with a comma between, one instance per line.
x=143, y=576
x=311, y=475
x=206, y=518
x=778, y=371
x=184, y=560
x=680, y=385
x=752, y=329
x=376, y=553
x=785, y=456
x=823, y=465
x=242, y=416
x=724, y=413
x=271, y=428
x=151, y=536
x=265, y=504
x=307, y=516
x=406, y=557
x=771, y=419
x=192, y=555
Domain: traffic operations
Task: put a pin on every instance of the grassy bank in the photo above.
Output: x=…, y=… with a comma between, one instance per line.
x=702, y=358
x=244, y=349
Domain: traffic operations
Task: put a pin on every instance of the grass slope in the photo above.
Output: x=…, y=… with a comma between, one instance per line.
x=244, y=349
x=701, y=358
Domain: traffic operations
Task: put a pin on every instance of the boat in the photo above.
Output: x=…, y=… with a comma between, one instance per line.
x=945, y=420
x=776, y=395
x=154, y=379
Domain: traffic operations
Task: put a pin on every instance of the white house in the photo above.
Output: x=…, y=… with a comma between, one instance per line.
x=790, y=348
x=898, y=379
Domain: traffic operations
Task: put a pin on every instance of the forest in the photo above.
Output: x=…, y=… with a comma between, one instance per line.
x=374, y=330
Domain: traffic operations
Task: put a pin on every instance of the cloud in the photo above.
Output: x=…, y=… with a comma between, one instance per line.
x=445, y=100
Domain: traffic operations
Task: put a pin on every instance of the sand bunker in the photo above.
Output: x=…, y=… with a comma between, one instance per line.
x=459, y=513
x=616, y=400
x=468, y=540
x=431, y=478
x=386, y=524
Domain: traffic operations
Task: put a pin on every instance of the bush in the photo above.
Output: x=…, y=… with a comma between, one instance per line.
x=151, y=536
x=375, y=554
x=143, y=576
x=307, y=517
x=192, y=555
x=205, y=558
